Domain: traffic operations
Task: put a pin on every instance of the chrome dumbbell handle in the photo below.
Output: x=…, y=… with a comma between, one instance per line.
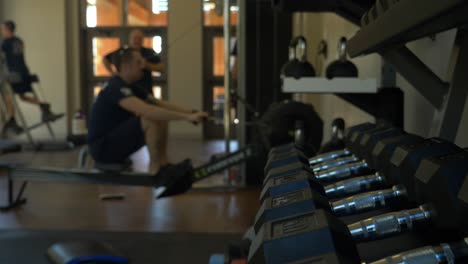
x=367, y=201
x=334, y=163
x=341, y=172
x=388, y=224
x=444, y=253
x=328, y=156
x=353, y=185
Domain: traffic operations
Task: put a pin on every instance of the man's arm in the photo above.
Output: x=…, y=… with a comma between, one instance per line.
x=172, y=107
x=152, y=60
x=156, y=113
x=157, y=67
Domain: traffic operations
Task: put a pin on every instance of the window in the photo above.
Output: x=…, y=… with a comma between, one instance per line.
x=157, y=92
x=101, y=47
x=218, y=56
x=147, y=12
x=100, y=13
x=110, y=13
x=211, y=18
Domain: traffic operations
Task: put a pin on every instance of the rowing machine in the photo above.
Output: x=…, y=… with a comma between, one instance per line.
x=174, y=180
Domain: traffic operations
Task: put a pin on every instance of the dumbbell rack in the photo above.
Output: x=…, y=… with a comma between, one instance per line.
x=293, y=204
x=387, y=36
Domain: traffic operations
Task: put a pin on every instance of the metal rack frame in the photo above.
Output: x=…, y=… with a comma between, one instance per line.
x=387, y=37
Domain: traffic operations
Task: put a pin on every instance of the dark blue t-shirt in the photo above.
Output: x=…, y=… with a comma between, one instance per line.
x=106, y=113
x=146, y=81
x=13, y=48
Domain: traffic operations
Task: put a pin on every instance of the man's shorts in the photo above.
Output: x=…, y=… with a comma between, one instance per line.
x=119, y=144
x=20, y=82
x=21, y=88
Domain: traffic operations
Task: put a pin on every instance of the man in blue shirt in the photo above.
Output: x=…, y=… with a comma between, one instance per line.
x=152, y=61
x=126, y=117
x=20, y=78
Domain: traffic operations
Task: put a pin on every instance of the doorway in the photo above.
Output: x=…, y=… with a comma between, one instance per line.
x=106, y=27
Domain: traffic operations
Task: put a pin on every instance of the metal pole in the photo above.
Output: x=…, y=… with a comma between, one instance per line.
x=241, y=114
x=125, y=10
x=227, y=74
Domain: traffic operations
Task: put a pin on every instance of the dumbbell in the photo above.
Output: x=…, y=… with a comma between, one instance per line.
x=444, y=253
x=435, y=176
x=284, y=159
x=291, y=159
x=319, y=235
x=384, y=142
x=385, y=148
x=406, y=160
x=295, y=162
x=281, y=151
x=303, y=178
x=305, y=200
x=380, y=155
x=362, y=149
x=352, y=142
x=336, y=141
x=433, y=146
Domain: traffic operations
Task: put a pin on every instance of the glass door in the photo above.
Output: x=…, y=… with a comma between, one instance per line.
x=213, y=63
x=106, y=27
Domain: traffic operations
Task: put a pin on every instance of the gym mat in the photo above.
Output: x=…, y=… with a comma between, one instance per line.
x=30, y=246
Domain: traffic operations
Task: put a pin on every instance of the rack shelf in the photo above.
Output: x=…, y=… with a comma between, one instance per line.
x=324, y=85
x=407, y=20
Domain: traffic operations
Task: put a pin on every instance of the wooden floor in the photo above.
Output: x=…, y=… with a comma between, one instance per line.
x=78, y=207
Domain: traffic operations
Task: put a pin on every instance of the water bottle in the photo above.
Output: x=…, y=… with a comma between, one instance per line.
x=79, y=123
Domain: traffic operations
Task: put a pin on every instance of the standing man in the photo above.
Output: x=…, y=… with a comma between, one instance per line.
x=13, y=49
x=152, y=62
x=125, y=117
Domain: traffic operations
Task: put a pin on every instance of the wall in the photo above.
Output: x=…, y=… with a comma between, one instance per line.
x=73, y=58
x=41, y=24
x=418, y=112
x=185, y=61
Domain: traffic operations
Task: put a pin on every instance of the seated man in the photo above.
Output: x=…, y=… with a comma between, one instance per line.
x=125, y=117
x=13, y=49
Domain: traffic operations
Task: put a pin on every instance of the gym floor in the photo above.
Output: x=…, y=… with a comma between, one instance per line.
x=208, y=208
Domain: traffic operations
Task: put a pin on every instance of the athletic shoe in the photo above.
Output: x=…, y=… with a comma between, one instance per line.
x=47, y=115
x=12, y=126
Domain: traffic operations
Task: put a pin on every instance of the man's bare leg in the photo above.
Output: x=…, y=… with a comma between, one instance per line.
x=30, y=99
x=47, y=114
x=10, y=107
x=156, y=141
